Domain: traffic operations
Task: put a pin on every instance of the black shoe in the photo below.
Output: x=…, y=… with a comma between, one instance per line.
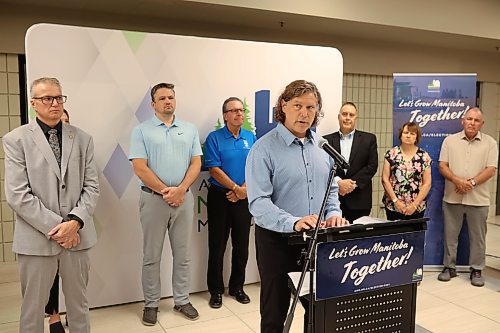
x=149, y=316
x=240, y=296
x=215, y=301
x=56, y=327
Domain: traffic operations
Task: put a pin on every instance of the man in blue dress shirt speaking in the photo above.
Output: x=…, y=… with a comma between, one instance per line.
x=287, y=176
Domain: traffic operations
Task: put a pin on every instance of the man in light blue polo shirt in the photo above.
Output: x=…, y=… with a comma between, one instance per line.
x=166, y=156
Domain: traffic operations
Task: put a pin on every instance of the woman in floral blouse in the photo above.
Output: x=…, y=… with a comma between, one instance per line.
x=406, y=176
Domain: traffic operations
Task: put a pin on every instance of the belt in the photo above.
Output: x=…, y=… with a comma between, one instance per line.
x=148, y=190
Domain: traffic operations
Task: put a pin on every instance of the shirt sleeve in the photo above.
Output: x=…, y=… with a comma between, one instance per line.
x=387, y=155
x=427, y=161
x=258, y=175
x=443, y=155
x=77, y=219
x=196, y=147
x=492, y=154
x=137, y=145
x=212, y=153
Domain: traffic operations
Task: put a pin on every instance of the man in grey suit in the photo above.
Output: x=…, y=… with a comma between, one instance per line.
x=51, y=183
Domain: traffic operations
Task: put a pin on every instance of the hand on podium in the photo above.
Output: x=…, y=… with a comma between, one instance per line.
x=334, y=221
x=309, y=222
x=306, y=223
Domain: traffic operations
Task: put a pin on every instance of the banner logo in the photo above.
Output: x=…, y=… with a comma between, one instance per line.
x=434, y=86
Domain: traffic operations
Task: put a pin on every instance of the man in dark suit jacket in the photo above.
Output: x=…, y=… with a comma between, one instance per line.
x=51, y=183
x=360, y=149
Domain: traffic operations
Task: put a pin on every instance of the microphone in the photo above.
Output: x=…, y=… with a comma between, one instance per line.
x=337, y=157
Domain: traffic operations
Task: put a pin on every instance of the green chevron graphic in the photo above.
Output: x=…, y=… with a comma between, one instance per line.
x=247, y=122
x=31, y=113
x=218, y=125
x=134, y=39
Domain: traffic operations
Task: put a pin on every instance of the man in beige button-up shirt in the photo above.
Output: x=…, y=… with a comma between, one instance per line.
x=468, y=160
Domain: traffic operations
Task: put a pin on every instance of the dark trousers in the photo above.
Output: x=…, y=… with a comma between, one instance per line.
x=275, y=259
x=353, y=214
x=393, y=215
x=53, y=303
x=224, y=218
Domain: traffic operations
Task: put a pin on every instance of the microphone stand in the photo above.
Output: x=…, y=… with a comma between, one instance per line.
x=313, y=240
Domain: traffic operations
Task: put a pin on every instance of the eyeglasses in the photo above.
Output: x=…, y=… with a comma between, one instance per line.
x=235, y=111
x=48, y=100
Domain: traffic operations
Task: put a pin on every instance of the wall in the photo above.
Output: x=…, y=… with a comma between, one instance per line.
x=446, y=53
x=489, y=101
x=372, y=94
x=9, y=119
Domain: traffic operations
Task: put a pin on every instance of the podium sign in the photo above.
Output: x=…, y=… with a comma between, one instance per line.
x=360, y=265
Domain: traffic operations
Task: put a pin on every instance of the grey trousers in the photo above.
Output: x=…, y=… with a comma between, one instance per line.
x=476, y=223
x=157, y=217
x=37, y=275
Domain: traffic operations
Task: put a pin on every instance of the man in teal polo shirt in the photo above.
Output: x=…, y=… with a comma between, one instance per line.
x=166, y=156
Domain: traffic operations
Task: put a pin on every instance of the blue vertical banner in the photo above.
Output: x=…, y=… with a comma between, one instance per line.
x=436, y=103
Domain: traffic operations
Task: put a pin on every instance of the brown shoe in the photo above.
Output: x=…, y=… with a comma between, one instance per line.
x=447, y=274
x=476, y=279
x=149, y=317
x=188, y=311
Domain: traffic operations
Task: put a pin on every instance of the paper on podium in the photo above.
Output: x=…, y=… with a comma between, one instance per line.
x=368, y=220
x=295, y=277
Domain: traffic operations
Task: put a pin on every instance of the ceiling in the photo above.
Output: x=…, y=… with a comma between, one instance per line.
x=202, y=19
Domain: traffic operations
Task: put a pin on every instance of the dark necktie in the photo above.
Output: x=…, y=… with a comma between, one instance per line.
x=54, y=144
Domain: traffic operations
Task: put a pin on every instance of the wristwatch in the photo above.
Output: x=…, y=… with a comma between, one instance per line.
x=472, y=182
x=395, y=200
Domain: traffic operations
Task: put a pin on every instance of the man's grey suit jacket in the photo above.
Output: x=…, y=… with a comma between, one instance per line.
x=41, y=194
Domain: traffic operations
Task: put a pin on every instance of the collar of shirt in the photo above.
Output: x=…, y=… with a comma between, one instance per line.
x=46, y=128
x=156, y=121
x=228, y=134
x=477, y=137
x=289, y=138
x=347, y=136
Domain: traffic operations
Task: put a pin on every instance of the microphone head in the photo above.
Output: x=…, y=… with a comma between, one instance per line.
x=321, y=142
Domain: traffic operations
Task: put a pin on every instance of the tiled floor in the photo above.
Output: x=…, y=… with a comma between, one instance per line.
x=453, y=306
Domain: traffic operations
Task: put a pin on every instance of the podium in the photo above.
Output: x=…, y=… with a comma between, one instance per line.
x=366, y=276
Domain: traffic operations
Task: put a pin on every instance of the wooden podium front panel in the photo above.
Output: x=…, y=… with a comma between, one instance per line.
x=387, y=310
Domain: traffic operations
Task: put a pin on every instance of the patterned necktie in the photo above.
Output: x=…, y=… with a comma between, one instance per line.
x=54, y=144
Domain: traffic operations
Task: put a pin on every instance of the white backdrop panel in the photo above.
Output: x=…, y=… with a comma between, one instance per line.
x=107, y=75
